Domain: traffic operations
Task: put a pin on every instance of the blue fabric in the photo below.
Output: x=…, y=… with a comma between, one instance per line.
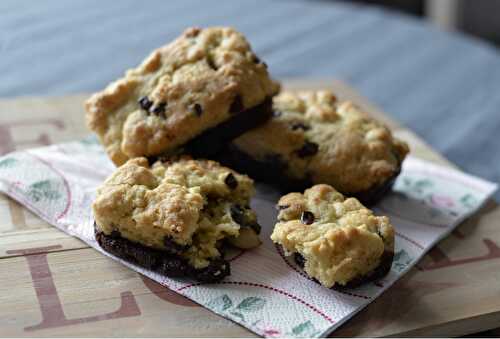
x=445, y=87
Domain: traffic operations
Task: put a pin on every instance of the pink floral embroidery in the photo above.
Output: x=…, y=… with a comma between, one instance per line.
x=442, y=201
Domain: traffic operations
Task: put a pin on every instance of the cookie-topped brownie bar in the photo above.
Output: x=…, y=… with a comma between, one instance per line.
x=338, y=241
x=313, y=138
x=196, y=93
x=175, y=216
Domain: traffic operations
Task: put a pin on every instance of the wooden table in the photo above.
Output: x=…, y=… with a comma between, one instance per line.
x=54, y=285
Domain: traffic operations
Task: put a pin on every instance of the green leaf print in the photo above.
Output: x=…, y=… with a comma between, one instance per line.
x=423, y=183
x=305, y=329
x=251, y=304
x=420, y=186
x=239, y=315
x=224, y=303
x=401, y=260
x=468, y=200
x=7, y=163
x=89, y=141
x=220, y=303
x=44, y=189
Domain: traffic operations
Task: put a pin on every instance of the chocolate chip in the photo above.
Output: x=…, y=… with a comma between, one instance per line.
x=237, y=213
x=160, y=109
x=211, y=63
x=307, y=218
x=257, y=60
x=231, y=181
x=282, y=207
x=299, y=125
x=145, y=103
x=308, y=149
x=237, y=105
x=198, y=110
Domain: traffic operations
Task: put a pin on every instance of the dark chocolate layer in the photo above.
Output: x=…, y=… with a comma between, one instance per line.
x=163, y=262
x=272, y=171
x=213, y=140
x=380, y=271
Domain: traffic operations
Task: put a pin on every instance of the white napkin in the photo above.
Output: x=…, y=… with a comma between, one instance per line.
x=266, y=291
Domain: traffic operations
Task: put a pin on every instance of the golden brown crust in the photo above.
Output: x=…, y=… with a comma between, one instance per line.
x=354, y=151
x=341, y=240
x=184, y=200
x=197, y=77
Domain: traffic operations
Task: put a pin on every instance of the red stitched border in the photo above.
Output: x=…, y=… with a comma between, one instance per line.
x=274, y=289
x=409, y=240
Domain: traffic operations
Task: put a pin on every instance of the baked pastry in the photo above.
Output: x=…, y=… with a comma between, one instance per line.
x=338, y=241
x=175, y=216
x=195, y=94
x=313, y=138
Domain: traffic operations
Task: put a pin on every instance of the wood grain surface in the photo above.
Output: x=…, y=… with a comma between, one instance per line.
x=54, y=285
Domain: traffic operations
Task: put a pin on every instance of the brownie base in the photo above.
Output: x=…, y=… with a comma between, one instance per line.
x=162, y=262
x=379, y=272
x=272, y=171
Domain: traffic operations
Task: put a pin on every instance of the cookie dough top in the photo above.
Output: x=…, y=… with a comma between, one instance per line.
x=183, y=203
x=329, y=141
x=339, y=238
x=182, y=89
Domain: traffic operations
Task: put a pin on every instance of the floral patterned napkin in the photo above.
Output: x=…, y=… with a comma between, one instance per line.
x=266, y=292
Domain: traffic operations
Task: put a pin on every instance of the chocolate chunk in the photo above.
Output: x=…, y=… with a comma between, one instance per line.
x=299, y=125
x=160, y=109
x=145, y=103
x=307, y=218
x=239, y=217
x=308, y=149
x=198, y=110
x=282, y=207
x=231, y=181
x=238, y=214
x=237, y=105
x=172, y=247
